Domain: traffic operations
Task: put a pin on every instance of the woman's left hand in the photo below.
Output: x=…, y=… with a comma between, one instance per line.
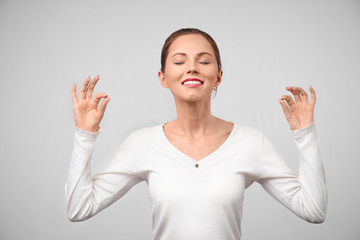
x=300, y=113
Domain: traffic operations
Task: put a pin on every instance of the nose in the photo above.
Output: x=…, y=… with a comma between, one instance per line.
x=192, y=68
x=192, y=71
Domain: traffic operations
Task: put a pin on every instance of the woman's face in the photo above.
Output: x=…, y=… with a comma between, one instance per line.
x=191, y=70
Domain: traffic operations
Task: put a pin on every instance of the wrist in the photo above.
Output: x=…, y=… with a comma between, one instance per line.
x=88, y=129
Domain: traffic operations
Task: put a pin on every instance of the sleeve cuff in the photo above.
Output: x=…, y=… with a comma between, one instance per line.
x=299, y=133
x=87, y=134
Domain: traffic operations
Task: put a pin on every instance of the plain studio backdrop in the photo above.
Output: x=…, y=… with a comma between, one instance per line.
x=265, y=46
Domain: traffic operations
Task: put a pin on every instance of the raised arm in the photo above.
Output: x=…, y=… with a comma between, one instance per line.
x=304, y=193
x=85, y=194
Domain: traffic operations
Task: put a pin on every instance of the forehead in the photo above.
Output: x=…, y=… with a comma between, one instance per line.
x=190, y=43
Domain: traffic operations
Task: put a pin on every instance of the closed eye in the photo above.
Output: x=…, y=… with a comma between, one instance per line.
x=178, y=63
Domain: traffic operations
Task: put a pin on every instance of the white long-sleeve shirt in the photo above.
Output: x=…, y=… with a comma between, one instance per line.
x=197, y=199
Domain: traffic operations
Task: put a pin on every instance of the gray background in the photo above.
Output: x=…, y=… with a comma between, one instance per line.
x=265, y=46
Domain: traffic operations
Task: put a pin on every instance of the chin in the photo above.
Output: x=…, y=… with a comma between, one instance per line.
x=194, y=98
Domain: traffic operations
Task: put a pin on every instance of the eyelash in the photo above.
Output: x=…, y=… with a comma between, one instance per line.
x=178, y=63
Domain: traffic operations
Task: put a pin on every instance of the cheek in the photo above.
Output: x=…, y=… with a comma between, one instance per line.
x=171, y=77
x=172, y=72
x=212, y=73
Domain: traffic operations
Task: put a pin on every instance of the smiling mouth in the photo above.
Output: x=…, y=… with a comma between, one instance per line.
x=192, y=82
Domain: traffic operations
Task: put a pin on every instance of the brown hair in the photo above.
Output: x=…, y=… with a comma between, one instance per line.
x=184, y=31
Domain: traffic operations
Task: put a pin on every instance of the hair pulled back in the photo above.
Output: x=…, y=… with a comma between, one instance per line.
x=185, y=31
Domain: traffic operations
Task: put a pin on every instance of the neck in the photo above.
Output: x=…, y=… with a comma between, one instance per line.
x=194, y=118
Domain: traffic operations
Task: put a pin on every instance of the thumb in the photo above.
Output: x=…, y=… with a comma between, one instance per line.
x=98, y=97
x=103, y=105
x=285, y=107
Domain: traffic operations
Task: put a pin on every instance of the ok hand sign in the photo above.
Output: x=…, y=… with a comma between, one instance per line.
x=86, y=112
x=300, y=113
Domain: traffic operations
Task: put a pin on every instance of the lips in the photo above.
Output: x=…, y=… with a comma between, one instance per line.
x=192, y=79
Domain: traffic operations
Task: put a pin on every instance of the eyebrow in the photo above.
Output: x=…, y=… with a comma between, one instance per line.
x=199, y=54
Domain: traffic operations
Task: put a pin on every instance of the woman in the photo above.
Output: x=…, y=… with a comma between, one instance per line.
x=196, y=166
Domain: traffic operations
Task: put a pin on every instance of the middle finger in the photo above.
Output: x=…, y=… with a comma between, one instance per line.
x=304, y=96
x=295, y=92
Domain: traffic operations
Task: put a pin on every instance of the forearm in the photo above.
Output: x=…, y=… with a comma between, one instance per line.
x=78, y=186
x=311, y=173
x=304, y=193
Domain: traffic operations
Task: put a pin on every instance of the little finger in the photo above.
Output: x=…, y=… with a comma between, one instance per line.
x=313, y=96
x=74, y=94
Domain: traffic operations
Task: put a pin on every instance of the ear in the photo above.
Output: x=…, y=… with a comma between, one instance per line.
x=219, y=77
x=162, y=79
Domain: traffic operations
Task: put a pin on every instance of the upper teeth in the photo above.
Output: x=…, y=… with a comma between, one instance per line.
x=192, y=82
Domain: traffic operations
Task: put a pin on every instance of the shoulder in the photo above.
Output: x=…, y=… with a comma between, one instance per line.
x=146, y=136
x=247, y=136
x=247, y=131
x=141, y=139
x=246, y=139
x=148, y=131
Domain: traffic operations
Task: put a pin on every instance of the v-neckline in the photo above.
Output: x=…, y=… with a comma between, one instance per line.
x=189, y=160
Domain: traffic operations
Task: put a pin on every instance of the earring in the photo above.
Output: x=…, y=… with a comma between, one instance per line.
x=215, y=91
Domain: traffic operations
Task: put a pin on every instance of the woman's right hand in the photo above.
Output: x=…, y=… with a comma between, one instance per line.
x=87, y=114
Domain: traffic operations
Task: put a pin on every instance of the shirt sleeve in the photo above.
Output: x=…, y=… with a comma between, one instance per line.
x=86, y=195
x=304, y=194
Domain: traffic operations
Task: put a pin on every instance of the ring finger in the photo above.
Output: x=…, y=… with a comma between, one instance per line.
x=89, y=90
x=83, y=88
